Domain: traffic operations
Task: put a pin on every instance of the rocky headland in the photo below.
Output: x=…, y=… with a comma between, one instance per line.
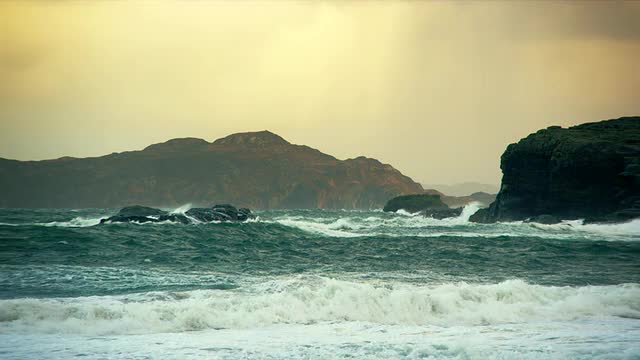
x=589, y=171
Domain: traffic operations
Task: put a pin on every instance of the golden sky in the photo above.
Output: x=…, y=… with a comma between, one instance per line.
x=437, y=89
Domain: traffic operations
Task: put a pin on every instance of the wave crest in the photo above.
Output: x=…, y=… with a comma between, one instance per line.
x=308, y=300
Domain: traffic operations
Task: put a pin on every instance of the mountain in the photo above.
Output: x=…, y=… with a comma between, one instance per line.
x=589, y=171
x=483, y=198
x=254, y=169
x=463, y=189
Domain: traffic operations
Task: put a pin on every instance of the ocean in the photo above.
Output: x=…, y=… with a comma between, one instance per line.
x=316, y=284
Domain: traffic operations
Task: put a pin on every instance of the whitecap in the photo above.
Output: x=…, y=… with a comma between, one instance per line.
x=311, y=300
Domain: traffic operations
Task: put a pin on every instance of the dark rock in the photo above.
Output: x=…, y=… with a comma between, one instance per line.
x=120, y=218
x=136, y=213
x=415, y=203
x=589, y=171
x=174, y=218
x=223, y=212
x=442, y=213
x=481, y=216
x=544, y=219
x=245, y=214
x=137, y=210
x=142, y=214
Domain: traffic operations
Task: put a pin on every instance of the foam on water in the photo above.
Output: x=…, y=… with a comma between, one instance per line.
x=304, y=300
x=181, y=209
x=351, y=224
x=618, y=229
x=318, y=227
x=376, y=223
x=592, y=339
x=75, y=222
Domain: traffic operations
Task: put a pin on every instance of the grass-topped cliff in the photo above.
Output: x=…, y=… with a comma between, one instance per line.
x=589, y=171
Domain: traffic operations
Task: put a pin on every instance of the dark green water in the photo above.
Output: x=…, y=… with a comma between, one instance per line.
x=67, y=255
x=59, y=268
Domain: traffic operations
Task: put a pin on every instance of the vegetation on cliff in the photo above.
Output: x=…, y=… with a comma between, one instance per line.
x=589, y=171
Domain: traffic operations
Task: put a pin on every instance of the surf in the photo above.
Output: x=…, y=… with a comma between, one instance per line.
x=310, y=300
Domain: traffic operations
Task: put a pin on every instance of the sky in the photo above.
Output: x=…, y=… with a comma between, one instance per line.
x=437, y=89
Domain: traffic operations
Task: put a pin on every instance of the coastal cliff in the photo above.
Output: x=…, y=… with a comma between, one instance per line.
x=259, y=170
x=590, y=171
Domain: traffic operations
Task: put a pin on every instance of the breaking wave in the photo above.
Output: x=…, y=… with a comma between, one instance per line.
x=346, y=224
x=310, y=300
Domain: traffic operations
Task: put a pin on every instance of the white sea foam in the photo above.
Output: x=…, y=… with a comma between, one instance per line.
x=181, y=209
x=317, y=227
x=317, y=300
x=626, y=228
x=75, y=222
x=404, y=212
x=584, y=340
x=352, y=224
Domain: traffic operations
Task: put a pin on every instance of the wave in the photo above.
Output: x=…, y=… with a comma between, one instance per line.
x=386, y=224
x=75, y=222
x=350, y=224
x=320, y=228
x=627, y=228
x=310, y=300
x=181, y=209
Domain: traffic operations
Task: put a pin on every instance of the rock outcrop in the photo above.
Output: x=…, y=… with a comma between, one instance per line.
x=258, y=170
x=590, y=171
x=143, y=214
x=429, y=205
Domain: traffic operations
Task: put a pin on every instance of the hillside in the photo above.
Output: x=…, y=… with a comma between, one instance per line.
x=255, y=169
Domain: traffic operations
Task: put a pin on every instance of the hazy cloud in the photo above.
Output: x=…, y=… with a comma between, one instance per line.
x=438, y=89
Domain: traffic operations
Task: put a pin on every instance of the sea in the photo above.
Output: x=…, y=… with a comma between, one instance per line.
x=316, y=284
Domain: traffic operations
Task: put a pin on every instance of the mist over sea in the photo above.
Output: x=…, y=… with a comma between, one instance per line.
x=316, y=284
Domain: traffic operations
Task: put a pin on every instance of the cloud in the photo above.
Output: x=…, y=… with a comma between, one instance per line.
x=437, y=89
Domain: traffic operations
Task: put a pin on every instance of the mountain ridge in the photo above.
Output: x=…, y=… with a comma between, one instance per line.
x=252, y=169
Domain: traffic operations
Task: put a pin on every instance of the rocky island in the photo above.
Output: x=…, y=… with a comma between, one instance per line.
x=258, y=170
x=590, y=171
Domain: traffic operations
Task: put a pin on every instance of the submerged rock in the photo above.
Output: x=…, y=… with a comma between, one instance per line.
x=590, y=171
x=142, y=214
